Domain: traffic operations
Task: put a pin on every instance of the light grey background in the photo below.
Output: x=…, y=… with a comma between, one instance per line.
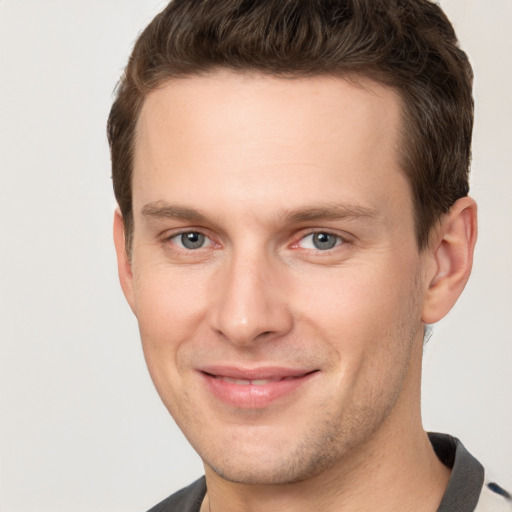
x=81, y=428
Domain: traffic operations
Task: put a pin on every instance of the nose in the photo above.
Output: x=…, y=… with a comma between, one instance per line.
x=250, y=302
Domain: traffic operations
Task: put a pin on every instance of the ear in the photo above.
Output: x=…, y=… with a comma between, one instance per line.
x=451, y=253
x=124, y=266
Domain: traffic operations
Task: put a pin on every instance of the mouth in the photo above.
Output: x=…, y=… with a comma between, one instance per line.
x=254, y=382
x=254, y=388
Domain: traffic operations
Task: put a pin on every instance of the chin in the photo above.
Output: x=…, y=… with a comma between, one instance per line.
x=275, y=468
x=262, y=476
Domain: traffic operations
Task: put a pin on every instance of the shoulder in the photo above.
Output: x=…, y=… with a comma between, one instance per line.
x=188, y=499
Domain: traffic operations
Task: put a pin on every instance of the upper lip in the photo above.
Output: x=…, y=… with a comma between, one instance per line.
x=259, y=373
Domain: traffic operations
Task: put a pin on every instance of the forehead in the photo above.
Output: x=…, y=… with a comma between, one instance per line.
x=255, y=102
x=239, y=132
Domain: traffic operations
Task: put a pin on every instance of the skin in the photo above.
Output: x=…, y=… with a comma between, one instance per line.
x=258, y=165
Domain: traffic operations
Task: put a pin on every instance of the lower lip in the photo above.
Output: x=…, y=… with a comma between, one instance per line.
x=251, y=396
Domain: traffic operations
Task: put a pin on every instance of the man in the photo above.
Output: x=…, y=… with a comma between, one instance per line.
x=292, y=180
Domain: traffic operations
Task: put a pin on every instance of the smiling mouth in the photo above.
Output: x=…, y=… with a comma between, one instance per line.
x=255, y=389
x=257, y=382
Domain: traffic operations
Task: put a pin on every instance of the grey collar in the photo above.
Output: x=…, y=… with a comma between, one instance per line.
x=467, y=477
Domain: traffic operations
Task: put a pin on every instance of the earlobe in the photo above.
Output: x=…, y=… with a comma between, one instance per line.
x=451, y=252
x=124, y=266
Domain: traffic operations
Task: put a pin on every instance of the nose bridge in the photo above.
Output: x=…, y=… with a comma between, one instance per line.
x=249, y=304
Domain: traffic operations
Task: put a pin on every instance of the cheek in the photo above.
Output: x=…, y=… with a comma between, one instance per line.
x=355, y=298
x=169, y=307
x=367, y=313
x=167, y=300
x=167, y=318
x=372, y=325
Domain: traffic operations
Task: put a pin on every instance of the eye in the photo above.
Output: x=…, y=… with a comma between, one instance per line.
x=191, y=240
x=321, y=241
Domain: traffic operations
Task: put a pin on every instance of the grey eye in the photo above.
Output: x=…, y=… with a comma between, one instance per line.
x=321, y=241
x=324, y=241
x=192, y=240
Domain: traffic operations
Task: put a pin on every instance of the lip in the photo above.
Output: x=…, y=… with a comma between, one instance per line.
x=253, y=388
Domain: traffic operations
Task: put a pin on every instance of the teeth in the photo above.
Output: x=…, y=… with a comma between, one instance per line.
x=255, y=382
x=240, y=382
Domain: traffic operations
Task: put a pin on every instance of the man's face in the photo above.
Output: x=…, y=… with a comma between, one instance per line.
x=275, y=273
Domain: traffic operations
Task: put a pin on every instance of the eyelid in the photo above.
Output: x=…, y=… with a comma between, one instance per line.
x=342, y=239
x=175, y=234
x=171, y=235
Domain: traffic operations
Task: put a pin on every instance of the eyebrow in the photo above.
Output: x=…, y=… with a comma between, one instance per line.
x=164, y=210
x=330, y=213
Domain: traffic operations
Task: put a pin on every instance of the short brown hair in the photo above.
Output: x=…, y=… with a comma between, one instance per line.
x=408, y=45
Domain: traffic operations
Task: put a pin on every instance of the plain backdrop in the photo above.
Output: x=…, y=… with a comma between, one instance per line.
x=81, y=427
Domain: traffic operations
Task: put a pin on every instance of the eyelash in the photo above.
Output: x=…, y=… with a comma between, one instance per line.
x=177, y=236
x=339, y=240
